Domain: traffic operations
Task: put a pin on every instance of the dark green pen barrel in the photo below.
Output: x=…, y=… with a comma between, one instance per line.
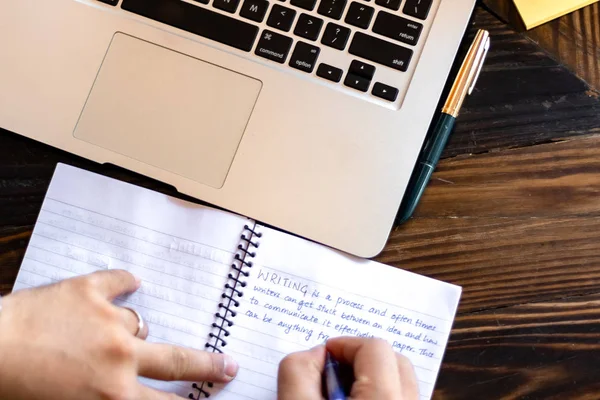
x=428, y=160
x=435, y=145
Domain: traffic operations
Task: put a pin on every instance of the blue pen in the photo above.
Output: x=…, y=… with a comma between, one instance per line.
x=332, y=379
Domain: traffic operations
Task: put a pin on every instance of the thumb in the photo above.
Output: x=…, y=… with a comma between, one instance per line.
x=299, y=375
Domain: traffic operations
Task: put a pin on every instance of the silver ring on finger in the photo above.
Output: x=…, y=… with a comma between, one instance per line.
x=141, y=324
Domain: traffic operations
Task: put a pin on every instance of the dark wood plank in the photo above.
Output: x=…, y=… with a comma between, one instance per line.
x=523, y=97
x=551, y=180
x=548, y=350
x=510, y=227
x=502, y=261
x=574, y=39
x=13, y=241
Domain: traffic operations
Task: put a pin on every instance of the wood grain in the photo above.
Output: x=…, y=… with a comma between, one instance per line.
x=13, y=241
x=574, y=39
x=546, y=350
x=501, y=261
x=551, y=180
x=523, y=97
x=510, y=227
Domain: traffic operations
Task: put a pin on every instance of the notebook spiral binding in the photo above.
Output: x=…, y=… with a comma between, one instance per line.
x=233, y=289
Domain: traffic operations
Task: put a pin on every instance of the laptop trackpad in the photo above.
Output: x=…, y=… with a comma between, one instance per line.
x=168, y=110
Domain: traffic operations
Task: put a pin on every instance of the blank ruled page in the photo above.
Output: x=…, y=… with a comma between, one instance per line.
x=299, y=294
x=181, y=251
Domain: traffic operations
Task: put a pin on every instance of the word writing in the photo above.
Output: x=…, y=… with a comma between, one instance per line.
x=421, y=324
x=279, y=280
x=348, y=303
x=292, y=313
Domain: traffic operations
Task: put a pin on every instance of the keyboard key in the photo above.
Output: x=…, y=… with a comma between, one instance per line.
x=110, y=2
x=254, y=10
x=330, y=73
x=357, y=82
x=417, y=8
x=359, y=15
x=391, y=4
x=385, y=92
x=335, y=36
x=332, y=8
x=226, y=5
x=308, y=27
x=362, y=69
x=305, y=4
x=380, y=51
x=196, y=20
x=398, y=28
x=281, y=17
x=273, y=46
x=201, y=1
x=304, y=57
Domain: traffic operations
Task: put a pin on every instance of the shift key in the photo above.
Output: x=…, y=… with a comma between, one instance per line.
x=380, y=51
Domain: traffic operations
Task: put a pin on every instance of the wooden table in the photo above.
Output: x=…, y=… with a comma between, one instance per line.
x=512, y=215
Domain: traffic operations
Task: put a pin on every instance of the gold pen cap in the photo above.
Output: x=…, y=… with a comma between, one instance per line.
x=468, y=73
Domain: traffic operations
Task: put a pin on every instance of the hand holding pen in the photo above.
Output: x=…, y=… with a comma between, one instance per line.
x=379, y=372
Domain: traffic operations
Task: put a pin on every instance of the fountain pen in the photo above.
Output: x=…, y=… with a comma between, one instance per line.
x=432, y=150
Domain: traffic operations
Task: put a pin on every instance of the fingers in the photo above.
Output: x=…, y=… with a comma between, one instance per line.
x=146, y=393
x=375, y=366
x=173, y=363
x=408, y=378
x=113, y=283
x=131, y=322
x=299, y=375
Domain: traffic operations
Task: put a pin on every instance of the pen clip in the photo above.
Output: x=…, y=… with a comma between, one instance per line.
x=480, y=60
x=468, y=74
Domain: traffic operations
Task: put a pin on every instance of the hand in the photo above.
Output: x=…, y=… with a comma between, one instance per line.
x=66, y=341
x=380, y=373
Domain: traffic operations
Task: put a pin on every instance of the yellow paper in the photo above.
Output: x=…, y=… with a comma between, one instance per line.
x=537, y=12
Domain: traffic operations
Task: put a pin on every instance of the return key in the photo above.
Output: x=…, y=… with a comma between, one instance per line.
x=398, y=28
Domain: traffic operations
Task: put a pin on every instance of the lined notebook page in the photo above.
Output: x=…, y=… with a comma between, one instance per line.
x=299, y=294
x=181, y=251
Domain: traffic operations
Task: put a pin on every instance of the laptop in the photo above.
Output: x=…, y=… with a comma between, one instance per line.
x=307, y=115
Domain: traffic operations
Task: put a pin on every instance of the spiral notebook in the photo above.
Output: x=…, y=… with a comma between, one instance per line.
x=216, y=281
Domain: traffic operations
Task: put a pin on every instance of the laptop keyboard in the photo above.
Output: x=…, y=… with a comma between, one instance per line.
x=383, y=36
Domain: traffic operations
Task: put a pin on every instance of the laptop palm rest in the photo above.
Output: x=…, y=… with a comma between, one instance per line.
x=168, y=110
